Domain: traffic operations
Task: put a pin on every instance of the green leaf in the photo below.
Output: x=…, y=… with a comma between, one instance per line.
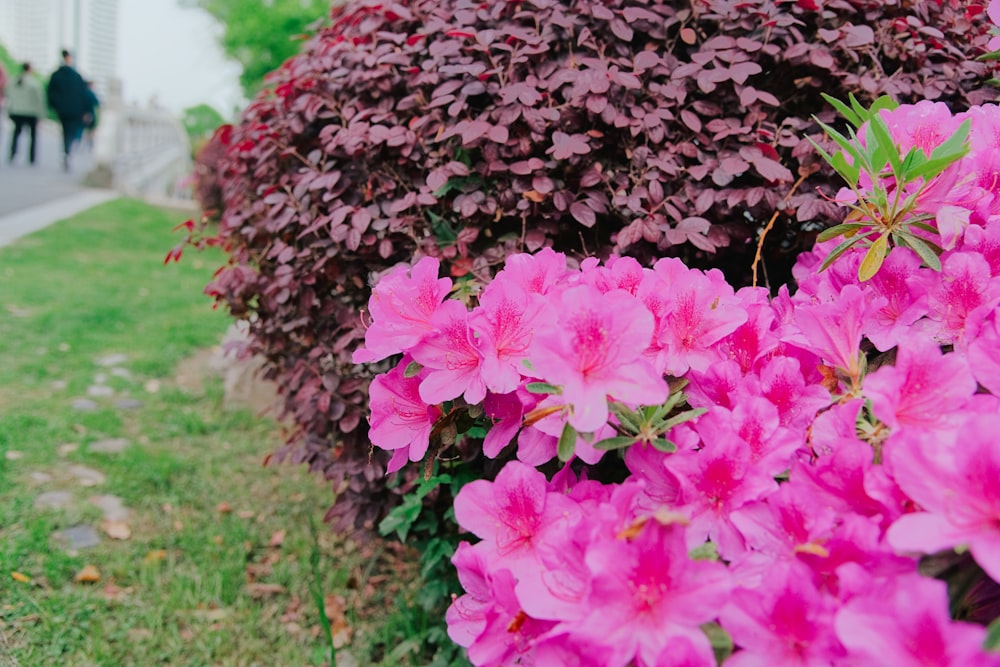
x=722, y=643
x=630, y=420
x=843, y=110
x=682, y=417
x=993, y=55
x=840, y=250
x=412, y=370
x=863, y=113
x=992, y=642
x=847, y=171
x=837, y=230
x=542, y=388
x=567, y=443
x=663, y=445
x=957, y=145
x=706, y=551
x=443, y=231
x=923, y=248
x=874, y=258
x=884, y=102
x=880, y=131
x=846, y=144
x=619, y=442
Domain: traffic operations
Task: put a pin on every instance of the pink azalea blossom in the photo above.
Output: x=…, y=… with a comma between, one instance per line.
x=715, y=481
x=512, y=513
x=833, y=330
x=965, y=286
x=903, y=622
x=982, y=351
x=535, y=274
x=400, y=419
x=955, y=484
x=786, y=621
x=700, y=310
x=504, y=324
x=450, y=357
x=597, y=352
x=647, y=594
x=401, y=307
x=925, y=389
x=903, y=285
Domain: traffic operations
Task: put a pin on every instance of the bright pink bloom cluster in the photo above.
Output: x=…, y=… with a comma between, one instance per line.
x=795, y=509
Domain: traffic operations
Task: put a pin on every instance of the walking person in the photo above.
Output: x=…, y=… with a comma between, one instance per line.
x=90, y=116
x=26, y=107
x=3, y=86
x=67, y=94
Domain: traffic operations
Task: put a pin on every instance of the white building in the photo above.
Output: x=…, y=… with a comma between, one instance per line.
x=37, y=30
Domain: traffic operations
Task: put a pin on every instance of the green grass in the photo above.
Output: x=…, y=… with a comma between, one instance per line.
x=177, y=591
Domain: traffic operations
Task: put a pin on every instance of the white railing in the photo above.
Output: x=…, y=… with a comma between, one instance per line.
x=142, y=152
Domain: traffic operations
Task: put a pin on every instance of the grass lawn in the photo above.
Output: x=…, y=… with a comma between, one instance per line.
x=216, y=562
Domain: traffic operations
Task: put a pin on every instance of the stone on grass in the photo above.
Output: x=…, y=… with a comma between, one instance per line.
x=128, y=404
x=13, y=455
x=77, y=537
x=53, y=500
x=120, y=372
x=111, y=506
x=109, y=446
x=83, y=405
x=86, y=476
x=66, y=449
x=111, y=360
x=100, y=390
x=41, y=477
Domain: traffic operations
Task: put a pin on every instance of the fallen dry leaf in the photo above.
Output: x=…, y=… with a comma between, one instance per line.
x=217, y=539
x=277, y=538
x=114, y=593
x=533, y=195
x=178, y=525
x=154, y=556
x=258, y=591
x=116, y=530
x=245, y=514
x=23, y=578
x=258, y=571
x=88, y=575
x=223, y=508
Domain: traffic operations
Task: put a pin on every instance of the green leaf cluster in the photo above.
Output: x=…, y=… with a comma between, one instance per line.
x=885, y=215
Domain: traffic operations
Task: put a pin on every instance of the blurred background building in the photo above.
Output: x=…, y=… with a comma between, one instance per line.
x=37, y=30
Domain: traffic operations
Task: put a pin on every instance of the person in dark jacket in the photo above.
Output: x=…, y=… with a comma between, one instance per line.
x=67, y=94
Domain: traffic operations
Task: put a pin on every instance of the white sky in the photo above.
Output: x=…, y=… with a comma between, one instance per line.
x=171, y=53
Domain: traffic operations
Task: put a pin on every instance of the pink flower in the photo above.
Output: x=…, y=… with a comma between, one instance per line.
x=400, y=418
x=786, y=621
x=505, y=411
x=965, y=285
x=450, y=357
x=955, y=484
x=833, y=330
x=535, y=274
x=597, y=352
x=646, y=594
x=982, y=352
x=924, y=390
x=903, y=284
x=487, y=620
x=715, y=481
x=401, y=307
x=512, y=514
x=700, y=310
x=505, y=324
x=904, y=622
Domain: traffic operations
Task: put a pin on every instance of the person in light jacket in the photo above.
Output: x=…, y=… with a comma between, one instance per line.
x=26, y=107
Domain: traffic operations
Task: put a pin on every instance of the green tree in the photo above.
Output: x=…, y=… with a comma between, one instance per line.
x=200, y=121
x=262, y=34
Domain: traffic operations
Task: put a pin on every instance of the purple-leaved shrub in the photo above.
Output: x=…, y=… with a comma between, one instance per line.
x=468, y=131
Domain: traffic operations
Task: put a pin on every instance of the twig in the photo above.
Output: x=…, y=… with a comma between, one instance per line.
x=770, y=225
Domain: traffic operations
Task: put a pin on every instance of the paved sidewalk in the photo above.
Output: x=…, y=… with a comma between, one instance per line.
x=26, y=221
x=35, y=196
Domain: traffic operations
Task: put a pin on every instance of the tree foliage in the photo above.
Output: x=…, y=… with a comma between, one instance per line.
x=200, y=122
x=262, y=34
